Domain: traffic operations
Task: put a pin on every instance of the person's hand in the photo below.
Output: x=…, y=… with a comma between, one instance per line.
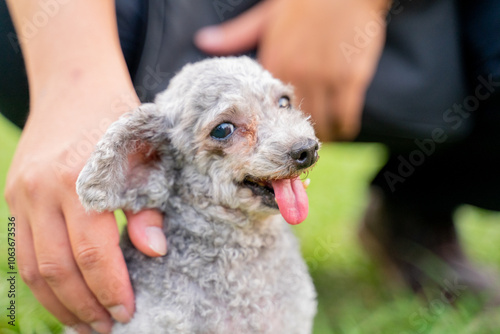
x=70, y=259
x=79, y=84
x=328, y=49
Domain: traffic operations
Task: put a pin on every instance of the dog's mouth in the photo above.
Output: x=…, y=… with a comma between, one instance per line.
x=262, y=188
x=286, y=195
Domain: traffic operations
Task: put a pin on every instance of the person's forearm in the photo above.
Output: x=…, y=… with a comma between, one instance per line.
x=70, y=57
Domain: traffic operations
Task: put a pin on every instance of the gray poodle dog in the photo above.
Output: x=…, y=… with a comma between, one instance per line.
x=223, y=150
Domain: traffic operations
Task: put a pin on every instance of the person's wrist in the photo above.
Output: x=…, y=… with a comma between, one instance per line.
x=85, y=100
x=70, y=122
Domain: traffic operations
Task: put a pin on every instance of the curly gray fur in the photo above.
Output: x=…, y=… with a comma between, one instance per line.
x=233, y=264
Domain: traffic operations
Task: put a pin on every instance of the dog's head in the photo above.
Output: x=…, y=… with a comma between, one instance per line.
x=225, y=132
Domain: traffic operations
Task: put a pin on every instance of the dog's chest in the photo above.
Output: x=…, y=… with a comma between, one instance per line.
x=258, y=287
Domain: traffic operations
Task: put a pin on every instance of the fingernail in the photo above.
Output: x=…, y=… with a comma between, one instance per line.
x=209, y=36
x=102, y=327
x=119, y=313
x=80, y=329
x=156, y=240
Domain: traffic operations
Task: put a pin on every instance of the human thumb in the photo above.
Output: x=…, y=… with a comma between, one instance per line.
x=236, y=35
x=145, y=229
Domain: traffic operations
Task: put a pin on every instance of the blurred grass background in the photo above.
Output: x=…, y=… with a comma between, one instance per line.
x=354, y=296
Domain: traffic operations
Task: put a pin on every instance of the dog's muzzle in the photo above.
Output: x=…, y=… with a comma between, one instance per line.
x=287, y=193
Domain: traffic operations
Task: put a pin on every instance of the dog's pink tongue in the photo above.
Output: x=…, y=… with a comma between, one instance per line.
x=292, y=200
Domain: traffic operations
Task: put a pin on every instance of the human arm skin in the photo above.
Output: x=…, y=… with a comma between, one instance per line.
x=79, y=84
x=303, y=42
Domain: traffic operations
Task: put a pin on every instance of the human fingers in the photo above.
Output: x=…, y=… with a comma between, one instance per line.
x=58, y=268
x=30, y=274
x=335, y=111
x=237, y=35
x=312, y=98
x=145, y=229
x=25, y=187
x=95, y=245
x=348, y=103
x=54, y=258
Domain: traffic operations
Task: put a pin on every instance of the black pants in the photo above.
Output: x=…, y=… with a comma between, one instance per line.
x=436, y=177
x=436, y=106
x=430, y=173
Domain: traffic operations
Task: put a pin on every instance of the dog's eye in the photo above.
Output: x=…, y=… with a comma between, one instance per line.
x=284, y=102
x=222, y=131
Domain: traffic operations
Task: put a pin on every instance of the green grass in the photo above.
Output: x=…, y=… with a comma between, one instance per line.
x=354, y=297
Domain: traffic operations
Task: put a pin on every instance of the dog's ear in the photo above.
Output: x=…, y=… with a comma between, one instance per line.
x=132, y=165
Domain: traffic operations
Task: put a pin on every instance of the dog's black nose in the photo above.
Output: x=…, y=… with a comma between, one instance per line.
x=305, y=153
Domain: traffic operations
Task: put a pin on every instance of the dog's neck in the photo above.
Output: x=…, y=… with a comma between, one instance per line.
x=218, y=224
